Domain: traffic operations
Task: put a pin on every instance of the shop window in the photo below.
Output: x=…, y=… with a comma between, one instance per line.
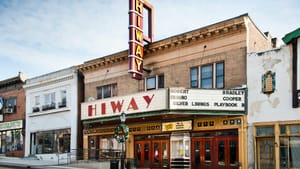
x=289, y=149
x=11, y=105
x=14, y=140
x=54, y=141
x=106, y=91
x=155, y=82
x=207, y=76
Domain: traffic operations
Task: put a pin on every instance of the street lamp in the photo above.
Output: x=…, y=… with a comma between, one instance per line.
x=123, y=155
x=123, y=117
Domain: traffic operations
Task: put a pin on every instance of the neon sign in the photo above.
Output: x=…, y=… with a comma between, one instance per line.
x=137, y=36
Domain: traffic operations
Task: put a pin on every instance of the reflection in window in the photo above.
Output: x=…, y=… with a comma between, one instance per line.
x=207, y=77
x=194, y=77
x=220, y=75
x=290, y=152
x=154, y=82
x=265, y=131
x=221, y=153
x=233, y=152
x=54, y=141
x=106, y=91
x=11, y=105
x=14, y=140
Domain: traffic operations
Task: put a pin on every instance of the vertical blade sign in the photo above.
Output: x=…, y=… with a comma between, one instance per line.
x=137, y=8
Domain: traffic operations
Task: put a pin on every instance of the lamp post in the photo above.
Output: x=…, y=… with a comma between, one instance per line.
x=121, y=138
x=123, y=119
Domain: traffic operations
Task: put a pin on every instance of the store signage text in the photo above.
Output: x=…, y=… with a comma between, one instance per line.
x=137, y=36
x=11, y=125
x=176, y=126
x=141, y=102
x=197, y=99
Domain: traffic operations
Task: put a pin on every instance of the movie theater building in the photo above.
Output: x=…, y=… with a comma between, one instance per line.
x=188, y=111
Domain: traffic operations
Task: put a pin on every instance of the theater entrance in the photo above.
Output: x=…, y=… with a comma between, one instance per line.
x=215, y=150
x=152, y=151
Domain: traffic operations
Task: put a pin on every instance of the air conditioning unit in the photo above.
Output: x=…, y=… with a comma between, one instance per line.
x=9, y=110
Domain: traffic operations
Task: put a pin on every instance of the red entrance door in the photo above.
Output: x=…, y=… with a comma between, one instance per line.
x=142, y=154
x=215, y=153
x=160, y=154
x=152, y=154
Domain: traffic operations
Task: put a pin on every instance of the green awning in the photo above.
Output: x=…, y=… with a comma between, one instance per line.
x=290, y=36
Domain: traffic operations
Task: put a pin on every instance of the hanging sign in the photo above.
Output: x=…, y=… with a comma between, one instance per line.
x=137, y=36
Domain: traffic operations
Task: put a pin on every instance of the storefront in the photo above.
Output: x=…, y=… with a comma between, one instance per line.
x=170, y=128
x=12, y=138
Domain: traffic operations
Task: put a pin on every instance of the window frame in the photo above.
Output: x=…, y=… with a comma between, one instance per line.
x=159, y=82
x=112, y=91
x=215, y=75
x=211, y=78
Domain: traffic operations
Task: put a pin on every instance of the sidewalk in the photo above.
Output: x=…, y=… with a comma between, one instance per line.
x=51, y=164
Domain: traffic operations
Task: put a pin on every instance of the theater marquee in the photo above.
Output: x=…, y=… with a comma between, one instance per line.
x=137, y=36
x=211, y=100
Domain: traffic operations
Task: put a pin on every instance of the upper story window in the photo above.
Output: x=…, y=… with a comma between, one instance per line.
x=194, y=77
x=220, y=75
x=154, y=82
x=106, y=91
x=63, y=99
x=207, y=76
x=49, y=100
x=10, y=105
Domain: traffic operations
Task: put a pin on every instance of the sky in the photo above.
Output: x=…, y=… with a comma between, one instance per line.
x=42, y=36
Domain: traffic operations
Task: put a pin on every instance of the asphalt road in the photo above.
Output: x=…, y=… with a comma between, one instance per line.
x=15, y=166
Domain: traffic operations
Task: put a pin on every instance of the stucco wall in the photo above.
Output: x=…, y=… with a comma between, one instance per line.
x=278, y=105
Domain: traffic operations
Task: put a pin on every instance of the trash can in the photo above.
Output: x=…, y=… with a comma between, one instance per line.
x=114, y=164
x=130, y=163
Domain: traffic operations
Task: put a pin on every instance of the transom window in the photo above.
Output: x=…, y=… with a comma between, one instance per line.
x=207, y=76
x=106, y=91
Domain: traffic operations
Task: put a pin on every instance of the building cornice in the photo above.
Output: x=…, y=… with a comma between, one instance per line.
x=203, y=34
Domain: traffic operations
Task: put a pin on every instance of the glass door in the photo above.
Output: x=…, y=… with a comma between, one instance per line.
x=215, y=153
x=142, y=154
x=160, y=153
x=227, y=153
x=202, y=153
x=266, y=153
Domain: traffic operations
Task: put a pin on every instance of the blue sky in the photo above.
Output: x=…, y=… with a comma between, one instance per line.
x=42, y=36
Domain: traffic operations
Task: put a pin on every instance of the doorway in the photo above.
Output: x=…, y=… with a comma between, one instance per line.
x=215, y=152
x=152, y=153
